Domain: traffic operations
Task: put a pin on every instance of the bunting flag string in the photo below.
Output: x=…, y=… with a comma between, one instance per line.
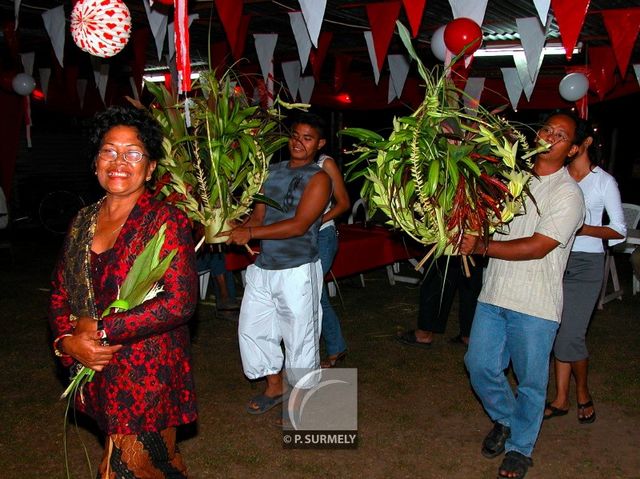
x=382, y=21
x=230, y=13
x=414, y=10
x=313, y=13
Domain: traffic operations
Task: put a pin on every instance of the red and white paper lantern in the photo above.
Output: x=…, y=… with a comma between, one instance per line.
x=101, y=27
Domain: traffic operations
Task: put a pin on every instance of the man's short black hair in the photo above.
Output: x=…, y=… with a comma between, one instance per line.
x=313, y=120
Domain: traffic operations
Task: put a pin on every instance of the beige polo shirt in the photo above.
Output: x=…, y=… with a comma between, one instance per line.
x=534, y=287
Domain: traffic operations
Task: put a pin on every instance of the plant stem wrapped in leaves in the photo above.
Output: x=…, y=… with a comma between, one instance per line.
x=442, y=171
x=215, y=168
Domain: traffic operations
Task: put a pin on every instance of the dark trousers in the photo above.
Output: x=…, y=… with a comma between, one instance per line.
x=444, y=277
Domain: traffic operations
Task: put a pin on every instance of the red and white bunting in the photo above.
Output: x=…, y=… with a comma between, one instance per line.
x=292, y=71
x=532, y=38
x=623, y=25
x=399, y=68
x=636, y=69
x=473, y=9
x=414, y=10
x=513, y=85
x=306, y=88
x=542, y=7
x=570, y=17
x=382, y=21
x=265, y=46
x=473, y=90
x=368, y=38
x=300, y=33
x=313, y=13
x=54, y=23
x=158, y=24
x=45, y=75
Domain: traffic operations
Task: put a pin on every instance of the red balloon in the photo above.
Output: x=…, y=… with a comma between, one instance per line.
x=462, y=33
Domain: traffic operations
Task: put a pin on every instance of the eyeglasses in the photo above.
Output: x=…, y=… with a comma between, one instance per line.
x=553, y=134
x=110, y=155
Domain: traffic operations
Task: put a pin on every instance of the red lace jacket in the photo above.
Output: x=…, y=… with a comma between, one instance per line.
x=148, y=385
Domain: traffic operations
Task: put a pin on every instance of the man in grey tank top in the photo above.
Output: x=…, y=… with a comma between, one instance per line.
x=281, y=300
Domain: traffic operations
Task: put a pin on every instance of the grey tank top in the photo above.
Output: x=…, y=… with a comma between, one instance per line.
x=285, y=186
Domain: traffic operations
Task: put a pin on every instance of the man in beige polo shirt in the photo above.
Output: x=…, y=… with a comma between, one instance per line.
x=520, y=305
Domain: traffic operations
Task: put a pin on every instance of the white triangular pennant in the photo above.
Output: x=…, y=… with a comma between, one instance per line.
x=303, y=41
x=473, y=90
x=636, y=68
x=292, y=72
x=542, y=7
x=473, y=9
x=158, y=23
x=45, y=74
x=171, y=34
x=100, y=76
x=16, y=8
x=134, y=88
x=313, y=13
x=532, y=38
x=81, y=87
x=27, y=60
x=306, y=88
x=513, y=85
x=399, y=68
x=265, y=46
x=54, y=24
x=368, y=37
x=391, y=92
x=528, y=83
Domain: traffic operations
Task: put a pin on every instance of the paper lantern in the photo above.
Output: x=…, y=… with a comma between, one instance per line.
x=23, y=84
x=438, y=48
x=101, y=27
x=573, y=86
x=462, y=34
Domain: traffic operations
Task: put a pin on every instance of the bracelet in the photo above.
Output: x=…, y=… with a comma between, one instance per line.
x=56, y=341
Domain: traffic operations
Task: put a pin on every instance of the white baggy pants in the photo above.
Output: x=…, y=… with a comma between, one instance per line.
x=281, y=305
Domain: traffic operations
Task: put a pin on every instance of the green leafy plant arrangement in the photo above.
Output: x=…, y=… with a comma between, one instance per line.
x=214, y=168
x=141, y=284
x=443, y=172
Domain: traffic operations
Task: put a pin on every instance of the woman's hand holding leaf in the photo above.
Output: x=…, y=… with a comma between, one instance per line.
x=84, y=346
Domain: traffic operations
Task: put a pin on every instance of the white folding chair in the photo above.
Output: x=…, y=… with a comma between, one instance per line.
x=631, y=218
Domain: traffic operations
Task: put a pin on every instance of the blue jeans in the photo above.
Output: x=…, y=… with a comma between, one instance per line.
x=331, y=332
x=500, y=335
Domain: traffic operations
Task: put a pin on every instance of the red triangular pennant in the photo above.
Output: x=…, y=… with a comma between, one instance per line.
x=414, y=10
x=230, y=13
x=241, y=40
x=570, y=17
x=382, y=19
x=317, y=56
x=623, y=25
x=602, y=63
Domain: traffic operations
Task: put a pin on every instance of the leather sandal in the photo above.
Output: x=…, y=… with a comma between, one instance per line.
x=515, y=465
x=493, y=444
x=333, y=360
x=555, y=411
x=586, y=419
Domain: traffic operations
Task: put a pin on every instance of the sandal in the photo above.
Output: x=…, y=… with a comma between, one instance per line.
x=409, y=339
x=582, y=419
x=493, y=444
x=265, y=403
x=514, y=465
x=555, y=411
x=332, y=360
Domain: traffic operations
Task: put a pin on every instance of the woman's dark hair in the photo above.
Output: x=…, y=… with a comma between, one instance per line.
x=148, y=128
x=313, y=120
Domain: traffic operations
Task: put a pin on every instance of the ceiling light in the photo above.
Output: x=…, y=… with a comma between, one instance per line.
x=509, y=50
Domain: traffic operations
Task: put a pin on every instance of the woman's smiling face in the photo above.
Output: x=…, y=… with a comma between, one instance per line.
x=122, y=177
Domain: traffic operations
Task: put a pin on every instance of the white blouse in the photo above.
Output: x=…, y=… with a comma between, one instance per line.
x=601, y=194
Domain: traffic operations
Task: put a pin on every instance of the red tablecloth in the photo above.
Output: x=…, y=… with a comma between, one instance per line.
x=360, y=249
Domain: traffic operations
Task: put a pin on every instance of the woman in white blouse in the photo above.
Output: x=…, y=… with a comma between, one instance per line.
x=583, y=278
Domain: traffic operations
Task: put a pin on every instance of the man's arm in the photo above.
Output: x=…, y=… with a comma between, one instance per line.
x=536, y=246
x=312, y=204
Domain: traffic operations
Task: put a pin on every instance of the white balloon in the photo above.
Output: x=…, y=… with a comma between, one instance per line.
x=23, y=84
x=573, y=86
x=438, y=48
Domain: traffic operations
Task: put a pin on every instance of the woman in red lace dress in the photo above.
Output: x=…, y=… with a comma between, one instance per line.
x=143, y=387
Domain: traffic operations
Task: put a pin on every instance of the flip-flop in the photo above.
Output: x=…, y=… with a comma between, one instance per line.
x=555, y=411
x=409, y=338
x=265, y=403
x=586, y=419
